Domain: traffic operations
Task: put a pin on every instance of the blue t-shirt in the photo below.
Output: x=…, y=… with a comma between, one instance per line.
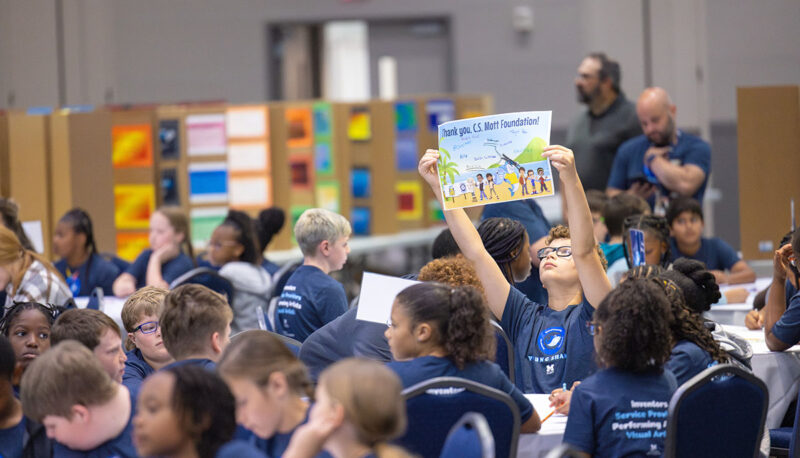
x=342, y=338
x=629, y=163
x=136, y=370
x=118, y=447
x=310, y=300
x=713, y=252
x=551, y=347
x=787, y=328
x=485, y=372
x=531, y=216
x=11, y=439
x=239, y=449
x=205, y=363
x=170, y=270
x=619, y=413
x=101, y=273
x=687, y=360
x=277, y=444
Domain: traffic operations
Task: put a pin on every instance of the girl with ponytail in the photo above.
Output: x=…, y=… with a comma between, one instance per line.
x=81, y=265
x=442, y=331
x=26, y=276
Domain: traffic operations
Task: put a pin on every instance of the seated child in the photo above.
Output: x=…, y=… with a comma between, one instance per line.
x=553, y=341
x=27, y=326
x=615, y=212
x=632, y=338
x=359, y=409
x=442, y=331
x=169, y=256
x=187, y=411
x=598, y=200
x=97, y=332
x=28, y=277
x=271, y=388
x=656, y=239
x=310, y=299
x=782, y=319
x=19, y=436
x=232, y=249
x=81, y=265
x=9, y=217
x=146, y=351
x=195, y=325
x=755, y=318
x=507, y=243
x=269, y=222
x=83, y=409
x=685, y=218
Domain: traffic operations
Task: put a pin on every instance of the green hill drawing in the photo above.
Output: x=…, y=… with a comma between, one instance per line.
x=532, y=152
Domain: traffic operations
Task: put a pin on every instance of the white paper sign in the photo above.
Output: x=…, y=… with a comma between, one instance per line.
x=377, y=296
x=33, y=229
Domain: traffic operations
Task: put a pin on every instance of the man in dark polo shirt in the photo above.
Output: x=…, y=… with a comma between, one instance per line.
x=608, y=121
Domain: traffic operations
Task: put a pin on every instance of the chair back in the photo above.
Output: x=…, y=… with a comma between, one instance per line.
x=471, y=437
x=719, y=412
x=435, y=405
x=504, y=356
x=293, y=345
x=207, y=277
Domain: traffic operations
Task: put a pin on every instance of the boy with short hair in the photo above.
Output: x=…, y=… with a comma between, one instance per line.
x=685, y=219
x=98, y=332
x=195, y=325
x=81, y=407
x=311, y=298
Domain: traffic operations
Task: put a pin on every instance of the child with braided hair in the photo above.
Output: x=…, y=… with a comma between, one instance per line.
x=27, y=326
x=507, y=243
x=656, y=238
x=552, y=341
x=442, y=331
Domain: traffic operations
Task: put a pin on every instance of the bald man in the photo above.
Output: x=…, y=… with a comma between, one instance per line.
x=664, y=162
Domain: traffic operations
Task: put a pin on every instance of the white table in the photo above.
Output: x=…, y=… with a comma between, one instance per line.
x=551, y=434
x=734, y=314
x=780, y=371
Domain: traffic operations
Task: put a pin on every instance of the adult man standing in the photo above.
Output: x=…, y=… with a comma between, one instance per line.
x=609, y=120
x=664, y=161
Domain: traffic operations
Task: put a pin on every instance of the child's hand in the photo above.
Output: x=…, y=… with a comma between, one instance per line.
x=560, y=399
x=428, y=169
x=720, y=276
x=563, y=160
x=736, y=295
x=309, y=439
x=167, y=252
x=754, y=320
x=780, y=262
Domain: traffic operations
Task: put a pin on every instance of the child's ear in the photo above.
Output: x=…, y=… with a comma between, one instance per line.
x=423, y=332
x=80, y=413
x=324, y=248
x=277, y=385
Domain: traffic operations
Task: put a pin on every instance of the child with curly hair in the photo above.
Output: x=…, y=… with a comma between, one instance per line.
x=442, y=331
x=633, y=340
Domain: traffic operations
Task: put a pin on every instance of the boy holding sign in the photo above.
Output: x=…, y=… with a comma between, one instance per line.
x=552, y=340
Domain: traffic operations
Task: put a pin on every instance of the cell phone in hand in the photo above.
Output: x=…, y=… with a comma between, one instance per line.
x=637, y=247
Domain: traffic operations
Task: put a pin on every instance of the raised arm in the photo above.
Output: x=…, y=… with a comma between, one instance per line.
x=469, y=241
x=587, y=261
x=776, y=298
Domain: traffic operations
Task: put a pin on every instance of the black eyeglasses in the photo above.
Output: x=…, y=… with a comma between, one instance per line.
x=561, y=252
x=148, y=327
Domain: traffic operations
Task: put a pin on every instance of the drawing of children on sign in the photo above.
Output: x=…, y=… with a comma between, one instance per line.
x=532, y=180
x=480, y=187
x=542, y=179
x=490, y=184
x=523, y=181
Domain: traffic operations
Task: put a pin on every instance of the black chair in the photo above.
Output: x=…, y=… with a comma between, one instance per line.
x=784, y=441
x=504, y=356
x=435, y=405
x=718, y=412
x=471, y=437
x=207, y=277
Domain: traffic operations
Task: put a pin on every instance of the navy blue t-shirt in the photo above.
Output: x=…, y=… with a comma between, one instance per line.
x=713, y=252
x=787, y=328
x=136, y=370
x=629, y=162
x=205, y=363
x=485, y=372
x=170, y=270
x=118, y=447
x=101, y=273
x=342, y=338
x=11, y=439
x=277, y=444
x=687, y=360
x=531, y=216
x=619, y=413
x=551, y=347
x=239, y=449
x=310, y=300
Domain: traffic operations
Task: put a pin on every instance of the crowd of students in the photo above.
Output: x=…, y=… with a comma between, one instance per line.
x=199, y=376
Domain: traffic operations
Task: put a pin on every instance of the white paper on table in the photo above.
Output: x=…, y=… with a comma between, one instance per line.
x=556, y=423
x=33, y=229
x=247, y=157
x=246, y=123
x=377, y=296
x=248, y=191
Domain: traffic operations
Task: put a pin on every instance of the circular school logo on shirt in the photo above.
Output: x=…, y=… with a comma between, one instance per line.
x=550, y=340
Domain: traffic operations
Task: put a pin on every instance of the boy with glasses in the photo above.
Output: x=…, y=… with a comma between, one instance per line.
x=146, y=352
